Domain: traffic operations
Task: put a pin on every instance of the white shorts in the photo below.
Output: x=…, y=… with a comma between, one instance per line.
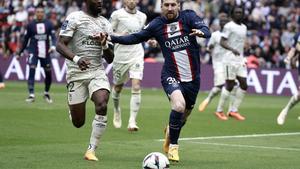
x=80, y=90
x=232, y=70
x=219, y=76
x=122, y=71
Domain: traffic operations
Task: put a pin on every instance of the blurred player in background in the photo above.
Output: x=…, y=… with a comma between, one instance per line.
x=176, y=33
x=217, y=54
x=41, y=37
x=294, y=52
x=128, y=61
x=85, y=74
x=233, y=39
x=2, y=84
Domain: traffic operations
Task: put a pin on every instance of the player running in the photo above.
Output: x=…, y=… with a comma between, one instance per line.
x=294, y=52
x=217, y=54
x=233, y=39
x=128, y=61
x=176, y=33
x=85, y=74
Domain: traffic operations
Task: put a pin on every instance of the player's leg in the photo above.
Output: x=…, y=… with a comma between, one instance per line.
x=175, y=123
x=219, y=81
x=99, y=94
x=292, y=102
x=2, y=84
x=240, y=93
x=230, y=75
x=46, y=64
x=120, y=76
x=116, y=91
x=136, y=75
x=32, y=62
x=135, y=102
x=77, y=96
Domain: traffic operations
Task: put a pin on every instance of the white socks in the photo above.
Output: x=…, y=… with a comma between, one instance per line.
x=292, y=102
x=98, y=128
x=135, y=103
x=223, y=98
x=239, y=96
x=214, y=92
x=116, y=99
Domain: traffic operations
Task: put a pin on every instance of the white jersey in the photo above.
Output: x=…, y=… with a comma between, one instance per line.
x=126, y=23
x=218, y=51
x=81, y=27
x=236, y=37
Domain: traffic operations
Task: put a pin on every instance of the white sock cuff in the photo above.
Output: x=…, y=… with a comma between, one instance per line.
x=101, y=118
x=135, y=92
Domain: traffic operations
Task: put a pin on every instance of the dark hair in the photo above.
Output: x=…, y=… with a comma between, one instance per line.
x=178, y=1
x=39, y=5
x=237, y=6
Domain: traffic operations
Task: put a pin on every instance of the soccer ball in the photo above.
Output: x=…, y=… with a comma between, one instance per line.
x=156, y=160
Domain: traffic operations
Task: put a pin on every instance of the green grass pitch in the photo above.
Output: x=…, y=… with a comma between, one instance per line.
x=41, y=136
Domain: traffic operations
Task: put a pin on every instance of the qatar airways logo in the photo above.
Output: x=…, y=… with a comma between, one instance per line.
x=177, y=43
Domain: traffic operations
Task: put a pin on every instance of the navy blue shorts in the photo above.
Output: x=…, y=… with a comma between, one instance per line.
x=33, y=60
x=188, y=89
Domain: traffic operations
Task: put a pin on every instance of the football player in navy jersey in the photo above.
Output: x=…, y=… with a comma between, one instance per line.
x=41, y=37
x=176, y=33
x=294, y=52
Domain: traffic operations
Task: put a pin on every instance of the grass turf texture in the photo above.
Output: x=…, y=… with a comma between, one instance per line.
x=41, y=136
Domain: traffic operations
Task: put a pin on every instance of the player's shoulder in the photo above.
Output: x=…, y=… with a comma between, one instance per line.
x=188, y=12
x=118, y=12
x=141, y=14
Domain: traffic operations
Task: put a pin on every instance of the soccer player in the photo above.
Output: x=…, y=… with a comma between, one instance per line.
x=129, y=59
x=233, y=39
x=176, y=32
x=41, y=37
x=294, y=52
x=85, y=74
x=217, y=52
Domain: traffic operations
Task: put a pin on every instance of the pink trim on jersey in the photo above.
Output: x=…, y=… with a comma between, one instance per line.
x=166, y=31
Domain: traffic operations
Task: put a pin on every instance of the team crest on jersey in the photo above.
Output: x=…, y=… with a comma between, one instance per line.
x=64, y=25
x=173, y=29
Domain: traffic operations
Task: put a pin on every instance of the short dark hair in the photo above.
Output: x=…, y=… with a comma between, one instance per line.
x=176, y=0
x=237, y=6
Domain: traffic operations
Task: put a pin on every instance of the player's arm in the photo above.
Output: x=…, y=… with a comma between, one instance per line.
x=199, y=28
x=225, y=45
x=25, y=42
x=108, y=54
x=62, y=48
x=53, y=38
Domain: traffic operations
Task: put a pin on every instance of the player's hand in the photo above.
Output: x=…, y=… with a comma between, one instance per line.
x=287, y=60
x=197, y=32
x=153, y=43
x=101, y=37
x=83, y=63
x=235, y=52
x=52, y=49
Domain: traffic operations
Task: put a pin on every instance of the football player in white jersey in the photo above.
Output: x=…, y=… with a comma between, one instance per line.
x=85, y=74
x=293, y=52
x=128, y=61
x=233, y=39
x=217, y=52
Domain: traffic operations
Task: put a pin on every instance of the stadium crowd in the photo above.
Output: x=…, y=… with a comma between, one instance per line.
x=271, y=24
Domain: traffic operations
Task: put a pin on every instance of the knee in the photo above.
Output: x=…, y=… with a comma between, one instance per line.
x=244, y=86
x=101, y=108
x=78, y=122
x=136, y=88
x=179, y=106
x=229, y=87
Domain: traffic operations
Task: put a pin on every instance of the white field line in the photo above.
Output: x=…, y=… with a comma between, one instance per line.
x=247, y=146
x=237, y=136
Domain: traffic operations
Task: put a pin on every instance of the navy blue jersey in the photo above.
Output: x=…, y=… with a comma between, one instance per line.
x=181, y=51
x=38, y=34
